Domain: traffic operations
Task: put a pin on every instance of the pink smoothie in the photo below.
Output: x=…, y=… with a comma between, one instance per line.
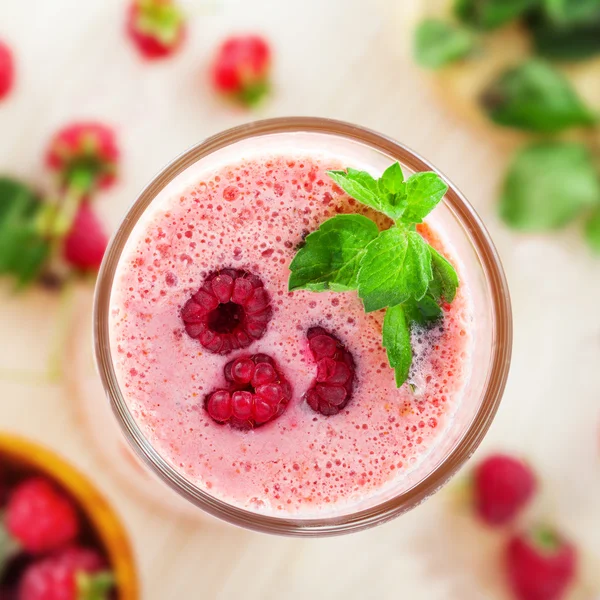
x=252, y=216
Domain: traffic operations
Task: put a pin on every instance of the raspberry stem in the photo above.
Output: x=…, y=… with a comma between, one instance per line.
x=94, y=587
x=61, y=332
x=57, y=225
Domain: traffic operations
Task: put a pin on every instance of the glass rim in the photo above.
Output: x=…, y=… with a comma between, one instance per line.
x=402, y=502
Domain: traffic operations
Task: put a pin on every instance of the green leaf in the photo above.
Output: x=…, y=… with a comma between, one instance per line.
x=409, y=200
x=359, y=185
x=392, y=190
x=23, y=250
x=565, y=41
x=547, y=185
x=396, y=341
x=445, y=282
x=331, y=256
x=395, y=268
x=592, y=231
x=423, y=192
x=571, y=11
x=424, y=312
x=438, y=43
x=392, y=180
x=491, y=14
x=535, y=97
x=95, y=586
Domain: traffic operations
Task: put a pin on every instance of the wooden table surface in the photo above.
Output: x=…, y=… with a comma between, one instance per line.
x=345, y=59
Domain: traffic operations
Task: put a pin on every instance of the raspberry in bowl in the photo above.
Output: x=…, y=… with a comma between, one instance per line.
x=276, y=392
x=60, y=537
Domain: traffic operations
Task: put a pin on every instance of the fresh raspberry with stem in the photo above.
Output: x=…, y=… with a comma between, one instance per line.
x=75, y=573
x=230, y=311
x=256, y=392
x=540, y=564
x=7, y=70
x=156, y=27
x=85, y=156
x=39, y=517
x=332, y=388
x=85, y=244
x=502, y=486
x=241, y=69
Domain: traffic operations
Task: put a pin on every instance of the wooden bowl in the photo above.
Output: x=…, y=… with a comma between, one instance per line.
x=28, y=457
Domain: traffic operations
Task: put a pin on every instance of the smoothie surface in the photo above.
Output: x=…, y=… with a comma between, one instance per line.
x=252, y=216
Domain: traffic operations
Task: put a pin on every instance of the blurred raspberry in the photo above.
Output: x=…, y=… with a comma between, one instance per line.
x=156, y=27
x=7, y=70
x=241, y=69
x=540, y=565
x=73, y=574
x=40, y=517
x=84, y=155
x=502, y=486
x=85, y=244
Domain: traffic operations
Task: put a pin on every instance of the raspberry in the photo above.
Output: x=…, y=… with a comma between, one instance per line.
x=502, y=486
x=156, y=27
x=7, y=70
x=40, y=517
x=85, y=244
x=230, y=311
x=540, y=564
x=256, y=392
x=332, y=389
x=74, y=574
x=241, y=68
x=85, y=155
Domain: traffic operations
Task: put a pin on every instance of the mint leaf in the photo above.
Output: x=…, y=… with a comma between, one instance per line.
x=571, y=11
x=359, y=185
x=547, y=185
x=491, y=14
x=396, y=341
x=23, y=250
x=392, y=180
x=592, y=231
x=392, y=190
x=423, y=312
x=409, y=200
x=395, y=268
x=535, y=97
x=379, y=194
x=331, y=256
x=444, y=284
x=423, y=193
x=565, y=41
x=438, y=43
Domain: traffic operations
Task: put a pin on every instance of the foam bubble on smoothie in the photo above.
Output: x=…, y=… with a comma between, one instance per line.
x=253, y=216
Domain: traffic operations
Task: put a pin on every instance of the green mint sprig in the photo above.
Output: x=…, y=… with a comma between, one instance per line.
x=394, y=269
x=548, y=185
x=438, y=43
x=491, y=14
x=23, y=248
x=535, y=96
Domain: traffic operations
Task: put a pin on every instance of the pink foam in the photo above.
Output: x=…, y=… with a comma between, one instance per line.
x=253, y=215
